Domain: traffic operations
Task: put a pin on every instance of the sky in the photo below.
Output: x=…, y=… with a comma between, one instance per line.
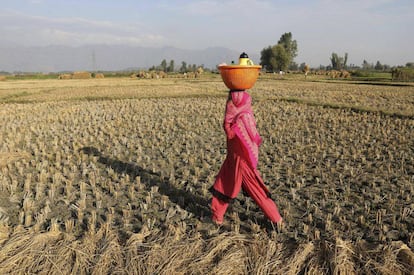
x=371, y=30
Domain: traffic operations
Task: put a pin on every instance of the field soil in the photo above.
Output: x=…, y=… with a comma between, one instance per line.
x=107, y=176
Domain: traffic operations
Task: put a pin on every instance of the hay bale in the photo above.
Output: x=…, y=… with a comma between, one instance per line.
x=65, y=76
x=141, y=74
x=333, y=74
x=154, y=75
x=190, y=75
x=2, y=78
x=99, y=75
x=162, y=74
x=306, y=69
x=81, y=75
x=345, y=74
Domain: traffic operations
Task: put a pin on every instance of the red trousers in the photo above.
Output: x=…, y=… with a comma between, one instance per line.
x=237, y=173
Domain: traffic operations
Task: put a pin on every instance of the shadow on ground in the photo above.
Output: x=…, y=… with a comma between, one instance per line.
x=193, y=203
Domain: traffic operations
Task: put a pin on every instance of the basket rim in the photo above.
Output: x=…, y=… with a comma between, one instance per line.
x=227, y=67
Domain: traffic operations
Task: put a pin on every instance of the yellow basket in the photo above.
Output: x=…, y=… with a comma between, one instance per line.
x=239, y=77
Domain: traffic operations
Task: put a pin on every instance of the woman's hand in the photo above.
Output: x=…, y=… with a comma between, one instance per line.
x=229, y=131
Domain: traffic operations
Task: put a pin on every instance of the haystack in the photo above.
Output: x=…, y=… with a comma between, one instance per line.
x=333, y=73
x=65, y=76
x=2, y=78
x=141, y=74
x=162, y=74
x=345, y=74
x=81, y=75
x=99, y=75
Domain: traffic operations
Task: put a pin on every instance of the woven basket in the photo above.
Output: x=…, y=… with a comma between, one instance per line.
x=238, y=77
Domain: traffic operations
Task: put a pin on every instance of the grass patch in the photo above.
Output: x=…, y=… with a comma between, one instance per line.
x=371, y=76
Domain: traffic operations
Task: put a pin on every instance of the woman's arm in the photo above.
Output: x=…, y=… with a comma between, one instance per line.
x=250, y=124
x=229, y=131
x=227, y=126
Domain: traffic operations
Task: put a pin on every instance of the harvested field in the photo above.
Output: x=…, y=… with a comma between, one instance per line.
x=111, y=176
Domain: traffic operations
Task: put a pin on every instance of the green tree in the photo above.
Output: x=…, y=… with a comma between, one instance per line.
x=410, y=64
x=171, y=66
x=280, y=58
x=293, y=66
x=265, y=57
x=183, y=67
x=338, y=62
x=290, y=45
x=281, y=55
x=163, y=65
x=379, y=66
x=366, y=65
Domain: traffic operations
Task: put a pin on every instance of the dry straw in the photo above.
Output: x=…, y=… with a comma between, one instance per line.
x=109, y=256
x=4, y=232
x=343, y=260
x=297, y=261
x=179, y=252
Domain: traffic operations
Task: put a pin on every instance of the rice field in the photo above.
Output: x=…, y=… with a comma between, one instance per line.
x=111, y=176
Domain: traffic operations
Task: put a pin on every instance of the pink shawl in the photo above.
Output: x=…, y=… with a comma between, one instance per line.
x=239, y=120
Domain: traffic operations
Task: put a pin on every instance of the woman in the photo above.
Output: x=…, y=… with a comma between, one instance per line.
x=239, y=168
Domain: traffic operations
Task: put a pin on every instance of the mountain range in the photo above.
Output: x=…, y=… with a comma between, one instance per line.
x=16, y=58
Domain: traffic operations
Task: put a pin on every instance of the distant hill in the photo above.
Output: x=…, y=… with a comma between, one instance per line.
x=107, y=57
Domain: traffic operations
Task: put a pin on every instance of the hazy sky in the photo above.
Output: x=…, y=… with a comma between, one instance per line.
x=366, y=29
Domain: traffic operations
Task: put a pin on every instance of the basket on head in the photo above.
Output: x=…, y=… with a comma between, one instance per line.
x=239, y=77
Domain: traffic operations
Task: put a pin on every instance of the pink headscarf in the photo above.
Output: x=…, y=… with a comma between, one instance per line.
x=239, y=116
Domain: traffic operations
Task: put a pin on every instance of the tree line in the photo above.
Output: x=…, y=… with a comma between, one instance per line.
x=170, y=67
x=280, y=57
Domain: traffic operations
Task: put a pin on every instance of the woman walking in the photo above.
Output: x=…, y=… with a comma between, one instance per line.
x=239, y=168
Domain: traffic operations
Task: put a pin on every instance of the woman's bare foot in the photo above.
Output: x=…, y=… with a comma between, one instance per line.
x=217, y=222
x=280, y=225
